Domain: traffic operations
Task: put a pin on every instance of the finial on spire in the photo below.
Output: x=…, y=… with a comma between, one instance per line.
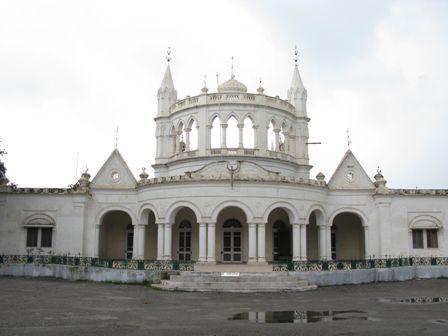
x=116, y=138
x=349, y=142
x=260, y=89
x=296, y=54
x=231, y=69
x=168, y=55
x=205, y=88
x=378, y=170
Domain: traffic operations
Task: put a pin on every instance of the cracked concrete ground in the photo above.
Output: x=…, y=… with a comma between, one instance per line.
x=58, y=307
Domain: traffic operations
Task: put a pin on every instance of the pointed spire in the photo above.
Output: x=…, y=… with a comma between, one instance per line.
x=296, y=83
x=167, y=82
x=297, y=93
x=167, y=94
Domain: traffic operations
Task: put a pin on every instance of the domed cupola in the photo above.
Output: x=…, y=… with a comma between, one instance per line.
x=232, y=86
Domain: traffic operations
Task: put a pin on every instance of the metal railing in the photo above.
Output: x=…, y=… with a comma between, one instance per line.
x=130, y=264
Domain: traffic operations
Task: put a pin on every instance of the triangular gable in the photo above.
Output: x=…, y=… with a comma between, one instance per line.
x=114, y=174
x=350, y=175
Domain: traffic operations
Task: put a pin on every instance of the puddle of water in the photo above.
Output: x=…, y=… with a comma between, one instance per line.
x=417, y=300
x=304, y=316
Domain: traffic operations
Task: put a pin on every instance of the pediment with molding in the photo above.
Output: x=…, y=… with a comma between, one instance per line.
x=114, y=174
x=350, y=175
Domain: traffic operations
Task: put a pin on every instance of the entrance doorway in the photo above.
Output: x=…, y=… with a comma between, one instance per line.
x=185, y=240
x=232, y=232
x=129, y=241
x=282, y=241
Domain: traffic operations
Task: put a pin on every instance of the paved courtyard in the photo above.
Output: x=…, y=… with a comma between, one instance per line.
x=57, y=307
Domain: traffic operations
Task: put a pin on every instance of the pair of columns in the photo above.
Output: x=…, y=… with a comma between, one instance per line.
x=240, y=135
x=257, y=242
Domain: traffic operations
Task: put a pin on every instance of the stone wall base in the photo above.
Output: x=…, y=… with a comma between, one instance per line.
x=80, y=273
x=359, y=276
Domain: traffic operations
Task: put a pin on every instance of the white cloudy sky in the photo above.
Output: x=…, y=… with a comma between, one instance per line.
x=71, y=71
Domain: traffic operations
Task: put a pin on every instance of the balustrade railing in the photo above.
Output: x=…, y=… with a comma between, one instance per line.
x=332, y=265
x=146, y=264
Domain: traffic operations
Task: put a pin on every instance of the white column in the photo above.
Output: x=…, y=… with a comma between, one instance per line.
x=303, y=242
x=223, y=135
x=261, y=242
x=96, y=243
x=322, y=241
x=295, y=241
x=160, y=240
x=167, y=246
x=252, y=242
x=211, y=243
x=255, y=127
x=187, y=139
x=135, y=241
x=240, y=135
x=202, y=242
x=141, y=241
x=286, y=143
x=178, y=149
x=366, y=242
x=328, y=242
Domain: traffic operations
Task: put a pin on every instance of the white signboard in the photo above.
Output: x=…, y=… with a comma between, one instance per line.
x=234, y=274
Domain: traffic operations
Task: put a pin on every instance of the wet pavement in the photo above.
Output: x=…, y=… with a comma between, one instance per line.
x=58, y=307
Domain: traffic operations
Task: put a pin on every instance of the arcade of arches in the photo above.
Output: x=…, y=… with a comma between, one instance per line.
x=231, y=239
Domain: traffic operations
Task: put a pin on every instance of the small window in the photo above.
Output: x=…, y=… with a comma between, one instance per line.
x=46, y=237
x=31, y=237
x=417, y=238
x=431, y=238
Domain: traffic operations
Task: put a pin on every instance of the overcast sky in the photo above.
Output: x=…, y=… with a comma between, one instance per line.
x=71, y=71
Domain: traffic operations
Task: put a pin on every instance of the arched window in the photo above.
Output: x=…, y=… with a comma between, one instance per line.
x=248, y=133
x=182, y=138
x=193, y=135
x=232, y=133
x=215, y=136
x=271, y=137
x=39, y=231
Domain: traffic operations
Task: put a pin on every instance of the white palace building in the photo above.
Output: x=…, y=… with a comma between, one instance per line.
x=245, y=198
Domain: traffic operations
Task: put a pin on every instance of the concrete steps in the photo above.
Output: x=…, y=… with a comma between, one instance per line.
x=246, y=282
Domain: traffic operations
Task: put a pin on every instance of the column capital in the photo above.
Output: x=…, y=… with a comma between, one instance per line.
x=224, y=125
x=240, y=125
x=187, y=129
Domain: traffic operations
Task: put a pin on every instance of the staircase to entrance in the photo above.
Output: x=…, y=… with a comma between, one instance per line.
x=238, y=278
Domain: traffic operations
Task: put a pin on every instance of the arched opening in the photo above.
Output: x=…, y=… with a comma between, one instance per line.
x=232, y=133
x=248, y=133
x=185, y=236
x=215, y=133
x=150, y=249
x=347, y=237
x=312, y=238
x=271, y=137
x=278, y=236
x=182, y=136
x=315, y=238
x=193, y=136
x=116, y=236
x=231, y=236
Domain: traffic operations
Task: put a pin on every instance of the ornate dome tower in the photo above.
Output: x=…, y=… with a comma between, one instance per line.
x=194, y=134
